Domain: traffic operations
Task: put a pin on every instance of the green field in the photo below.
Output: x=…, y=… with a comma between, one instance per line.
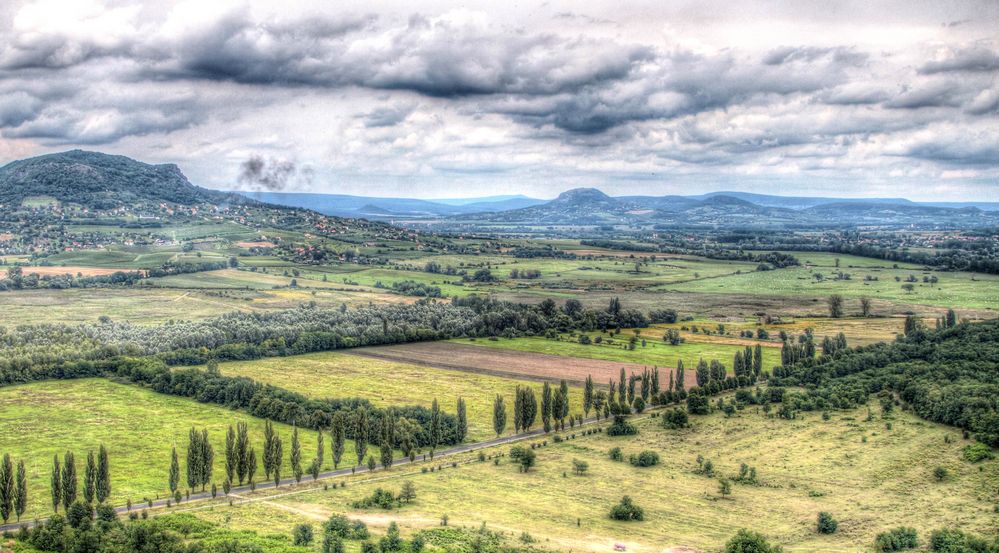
x=139, y=428
x=654, y=353
x=385, y=384
x=868, y=477
x=954, y=289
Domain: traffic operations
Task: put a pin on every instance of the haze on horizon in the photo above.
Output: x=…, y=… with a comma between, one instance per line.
x=446, y=99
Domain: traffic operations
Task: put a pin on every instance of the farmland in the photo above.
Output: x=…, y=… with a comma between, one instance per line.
x=857, y=469
x=138, y=427
x=347, y=375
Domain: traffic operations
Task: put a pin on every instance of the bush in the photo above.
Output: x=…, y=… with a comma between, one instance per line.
x=826, y=523
x=379, y=498
x=675, y=418
x=616, y=455
x=948, y=540
x=627, y=510
x=896, y=540
x=644, y=459
x=302, y=534
x=746, y=541
x=977, y=452
x=940, y=474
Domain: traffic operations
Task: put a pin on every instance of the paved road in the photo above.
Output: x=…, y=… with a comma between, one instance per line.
x=463, y=448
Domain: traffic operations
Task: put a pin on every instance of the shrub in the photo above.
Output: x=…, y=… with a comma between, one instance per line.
x=644, y=459
x=896, y=540
x=580, y=467
x=676, y=418
x=302, y=534
x=940, y=474
x=627, y=510
x=826, y=523
x=379, y=498
x=745, y=541
x=977, y=452
x=616, y=455
x=948, y=540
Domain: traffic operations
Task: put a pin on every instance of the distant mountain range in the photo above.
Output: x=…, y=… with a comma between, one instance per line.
x=589, y=206
x=101, y=182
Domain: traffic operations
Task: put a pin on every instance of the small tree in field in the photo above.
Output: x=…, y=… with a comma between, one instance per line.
x=826, y=524
x=835, y=302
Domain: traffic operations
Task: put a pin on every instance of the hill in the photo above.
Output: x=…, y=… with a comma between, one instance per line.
x=101, y=182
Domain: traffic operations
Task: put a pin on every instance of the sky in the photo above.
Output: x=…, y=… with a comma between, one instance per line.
x=446, y=99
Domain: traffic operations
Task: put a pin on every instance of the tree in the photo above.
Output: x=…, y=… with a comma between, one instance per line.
x=563, y=392
x=588, y=396
x=302, y=535
x=296, y=455
x=269, y=440
x=499, y=415
x=277, y=454
x=103, y=475
x=679, y=383
x=436, y=429
x=865, y=307
x=20, y=491
x=703, y=373
x=835, y=303
x=580, y=467
x=361, y=435
x=518, y=409
x=338, y=437
x=89, y=478
x=725, y=487
x=745, y=541
x=243, y=452
x=620, y=388
x=251, y=466
x=56, y=484
x=7, y=491
x=462, y=421
x=193, y=458
x=408, y=492
x=320, y=450
x=231, y=459
x=757, y=360
x=69, y=482
x=627, y=510
x=546, y=407
x=387, y=440
x=950, y=320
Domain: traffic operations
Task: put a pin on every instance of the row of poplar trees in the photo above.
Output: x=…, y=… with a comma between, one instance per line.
x=554, y=408
x=13, y=489
x=96, y=479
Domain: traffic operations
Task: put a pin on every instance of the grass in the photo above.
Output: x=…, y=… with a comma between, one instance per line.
x=871, y=479
x=139, y=427
x=386, y=383
x=954, y=289
x=655, y=353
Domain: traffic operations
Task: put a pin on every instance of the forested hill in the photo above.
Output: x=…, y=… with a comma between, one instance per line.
x=102, y=182
x=949, y=376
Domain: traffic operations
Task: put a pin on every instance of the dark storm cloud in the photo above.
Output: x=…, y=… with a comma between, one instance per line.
x=257, y=173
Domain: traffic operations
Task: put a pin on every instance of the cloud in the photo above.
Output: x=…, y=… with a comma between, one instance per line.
x=977, y=58
x=256, y=173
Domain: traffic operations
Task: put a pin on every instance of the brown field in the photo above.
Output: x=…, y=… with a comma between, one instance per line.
x=72, y=270
x=502, y=362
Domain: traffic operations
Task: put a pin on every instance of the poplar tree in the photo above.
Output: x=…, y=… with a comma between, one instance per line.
x=243, y=452
x=462, y=421
x=679, y=384
x=296, y=455
x=56, y=484
x=557, y=409
x=563, y=391
x=320, y=449
x=251, y=466
x=193, y=458
x=646, y=385
x=103, y=475
x=206, y=459
x=655, y=381
x=21, y=491
x=436, y=427
x=6, y=488
x=276, y=454
x=231, y=459
x=757, y=360
x=546, y=407
x=620, y=388
x=269, y=439
x=338, y=436
x=361, y=435
x=518, y=410
x=737, y=367
x=530, y=408
x=499, y=415
x=588, y=396
x=387, y=439
x=631, y=389
x=69, y=482
x=89, y=479
x=703, y=373
x=174, y=472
